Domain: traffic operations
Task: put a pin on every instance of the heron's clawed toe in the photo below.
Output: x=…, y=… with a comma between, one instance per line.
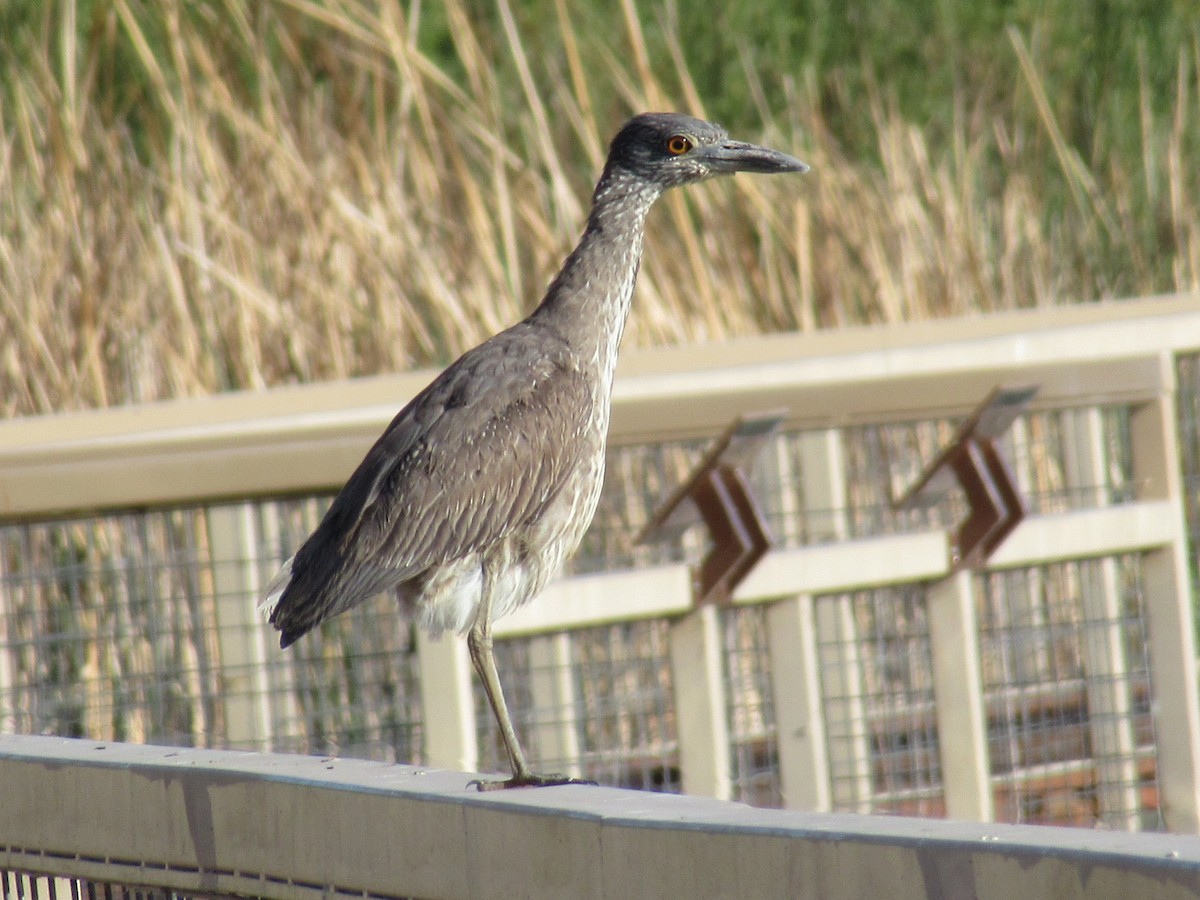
x=526, y=780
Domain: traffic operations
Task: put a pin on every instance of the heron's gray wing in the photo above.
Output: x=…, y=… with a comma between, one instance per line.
x=482, y=456
x=478, y=453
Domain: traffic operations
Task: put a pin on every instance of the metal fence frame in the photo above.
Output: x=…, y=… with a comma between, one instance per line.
x=224, y=450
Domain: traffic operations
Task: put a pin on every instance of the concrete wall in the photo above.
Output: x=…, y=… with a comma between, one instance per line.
x=300, y=827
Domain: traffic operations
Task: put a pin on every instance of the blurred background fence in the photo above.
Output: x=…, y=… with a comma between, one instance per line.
x=856, y=669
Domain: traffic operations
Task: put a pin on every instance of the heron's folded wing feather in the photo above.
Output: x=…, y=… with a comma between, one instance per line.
x=478, y=454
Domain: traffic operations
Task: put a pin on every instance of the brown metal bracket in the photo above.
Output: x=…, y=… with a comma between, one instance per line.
x=974, y=462
x=717, y=494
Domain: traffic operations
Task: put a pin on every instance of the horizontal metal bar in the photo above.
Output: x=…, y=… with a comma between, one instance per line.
x=590, y=600
x=847, y=566
x=1089, y=533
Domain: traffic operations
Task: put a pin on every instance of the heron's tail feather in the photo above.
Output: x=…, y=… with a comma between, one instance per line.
x=301, y=597
x=270, y=599
x=283, y=608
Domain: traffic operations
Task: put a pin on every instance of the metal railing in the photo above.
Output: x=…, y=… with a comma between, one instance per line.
x=855, y=670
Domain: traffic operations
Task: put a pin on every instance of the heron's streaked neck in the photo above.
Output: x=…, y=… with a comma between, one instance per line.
x=588, y=301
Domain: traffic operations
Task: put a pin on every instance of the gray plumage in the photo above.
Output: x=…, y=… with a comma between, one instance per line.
x=484, y=483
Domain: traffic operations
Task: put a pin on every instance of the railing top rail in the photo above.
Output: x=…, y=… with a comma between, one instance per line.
x=305, y=438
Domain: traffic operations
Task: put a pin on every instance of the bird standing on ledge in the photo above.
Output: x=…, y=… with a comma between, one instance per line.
x=482, y=485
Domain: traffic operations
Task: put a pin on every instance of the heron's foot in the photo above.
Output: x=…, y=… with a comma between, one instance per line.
x=526, y=779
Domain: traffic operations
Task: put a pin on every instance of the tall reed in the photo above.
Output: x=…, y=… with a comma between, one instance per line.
x=197, y=199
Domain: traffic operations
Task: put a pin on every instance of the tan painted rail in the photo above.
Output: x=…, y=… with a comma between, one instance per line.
x=299, y=439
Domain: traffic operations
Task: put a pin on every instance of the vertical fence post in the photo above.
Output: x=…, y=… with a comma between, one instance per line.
x=1171, y=620
x=1109, y=706
x=700, y=706
x=241, y=632
x=1109, y=699
x=1024, y=609
x=957, y=685
x=288, y=729
x=823, y=482
x=847, y=733
x=799, y=724
x=552, y=686
x=447, y=703
x=778, y=476
x=841, y=705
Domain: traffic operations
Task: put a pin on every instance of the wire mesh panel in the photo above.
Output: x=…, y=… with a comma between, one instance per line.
x=751, y=713
x=1043, y=448
x=876, y=464
x=111, y=630
x=877, y=694
x=881, y=463
x=637, y=479
x=1188, y=400
x=1066, y=682
x=1070, y=459
x=350, y=688
x=626, y=692
x=106, y=624
x=620, y=709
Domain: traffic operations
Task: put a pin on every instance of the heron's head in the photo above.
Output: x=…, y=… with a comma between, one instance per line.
x=670, y=149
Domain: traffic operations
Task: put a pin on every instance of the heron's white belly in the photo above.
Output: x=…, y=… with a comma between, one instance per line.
x=522, y=564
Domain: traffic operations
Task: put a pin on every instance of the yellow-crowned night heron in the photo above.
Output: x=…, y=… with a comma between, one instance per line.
x=483, y=484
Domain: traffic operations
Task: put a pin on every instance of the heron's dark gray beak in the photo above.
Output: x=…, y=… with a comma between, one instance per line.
x=738, y=156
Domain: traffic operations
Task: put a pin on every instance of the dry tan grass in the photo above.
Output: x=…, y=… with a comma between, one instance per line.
x=384, y=215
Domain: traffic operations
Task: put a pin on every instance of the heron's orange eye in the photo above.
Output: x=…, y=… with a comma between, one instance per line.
x=678, y=144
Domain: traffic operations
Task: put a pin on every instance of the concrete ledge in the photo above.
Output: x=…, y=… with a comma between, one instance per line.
x=285, y=826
